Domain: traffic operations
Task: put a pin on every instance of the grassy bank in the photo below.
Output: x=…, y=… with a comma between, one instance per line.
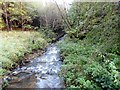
x=15, y=44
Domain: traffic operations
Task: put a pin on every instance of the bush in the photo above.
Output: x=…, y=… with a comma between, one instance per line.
x=85, y=66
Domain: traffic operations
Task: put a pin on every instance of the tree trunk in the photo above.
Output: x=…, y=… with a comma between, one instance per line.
x=63, y=17
x=66, y=15
x=6, y=16
x=21, y=16
x=53, y=24
x=46, y=17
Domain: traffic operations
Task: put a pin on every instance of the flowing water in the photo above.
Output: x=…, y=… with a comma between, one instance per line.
x=42, y=72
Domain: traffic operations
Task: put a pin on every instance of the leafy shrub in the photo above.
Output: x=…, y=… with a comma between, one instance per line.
x=101, y=76
x=94, y=61
x=85, y=66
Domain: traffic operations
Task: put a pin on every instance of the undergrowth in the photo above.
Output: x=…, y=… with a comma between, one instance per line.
x=15, y=44
x=94, y=61
x=86, y=67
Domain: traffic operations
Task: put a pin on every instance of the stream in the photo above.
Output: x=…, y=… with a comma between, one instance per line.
x=41, y=72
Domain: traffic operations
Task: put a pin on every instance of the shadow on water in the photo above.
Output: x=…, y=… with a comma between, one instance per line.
x=41, y=72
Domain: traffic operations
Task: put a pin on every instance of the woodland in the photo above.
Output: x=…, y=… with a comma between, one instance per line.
x=90, y=49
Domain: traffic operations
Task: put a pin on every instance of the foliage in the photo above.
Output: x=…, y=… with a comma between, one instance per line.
x=92, y=61
x=48, y=18
x=16, y=43
x=48, y=33
x=81, y=69
x=86, y=17
x=17, y=14
x=31, y=16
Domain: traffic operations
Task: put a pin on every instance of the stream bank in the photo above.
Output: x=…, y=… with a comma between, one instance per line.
x=41, y=72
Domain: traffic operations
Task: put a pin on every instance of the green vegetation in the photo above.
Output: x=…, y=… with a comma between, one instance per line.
x=86, y=67
x=14, y=45
x=91, y=49
x=15, y=15
x=25, y=27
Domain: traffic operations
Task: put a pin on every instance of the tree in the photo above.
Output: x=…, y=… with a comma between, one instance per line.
x=2, y=25
x=15, y=14
x=21, y=13
x=63, y=16
x=5, y=14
